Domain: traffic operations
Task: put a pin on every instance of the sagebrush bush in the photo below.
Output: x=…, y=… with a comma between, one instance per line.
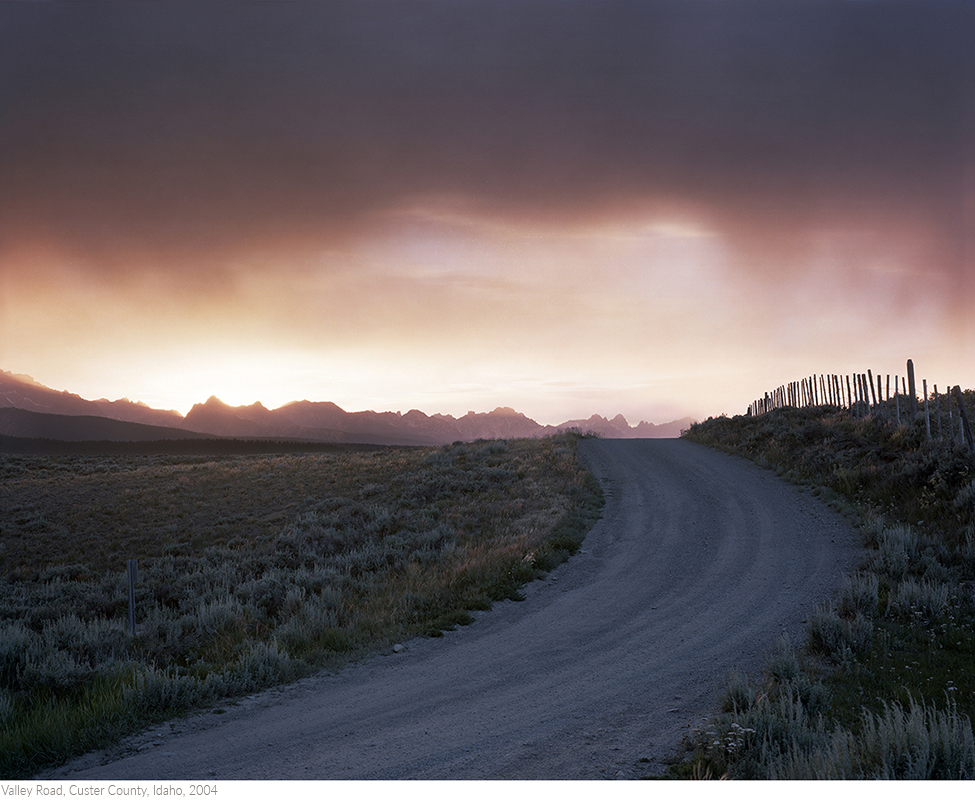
x=922, y=597
x=779, y=737
x=836, y=638
x=784, y=666
x=897, y=549
x=919, y=743
x=738, y=694
x=860, y=595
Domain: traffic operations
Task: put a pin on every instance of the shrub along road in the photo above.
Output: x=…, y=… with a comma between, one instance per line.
x=700, y=563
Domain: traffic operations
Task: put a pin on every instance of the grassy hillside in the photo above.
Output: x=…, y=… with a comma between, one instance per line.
x=252, y=570
x=884, y=685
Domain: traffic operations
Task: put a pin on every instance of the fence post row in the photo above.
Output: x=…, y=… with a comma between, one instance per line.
x=865, y=396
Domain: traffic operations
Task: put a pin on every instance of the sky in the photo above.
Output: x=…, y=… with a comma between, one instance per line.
x=569, y=207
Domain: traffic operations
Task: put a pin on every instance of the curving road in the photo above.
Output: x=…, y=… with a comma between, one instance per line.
x=700, y=562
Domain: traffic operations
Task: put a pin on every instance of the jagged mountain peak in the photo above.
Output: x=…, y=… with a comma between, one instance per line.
x=317, y=420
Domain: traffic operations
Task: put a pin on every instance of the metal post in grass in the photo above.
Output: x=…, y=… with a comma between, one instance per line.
x=133, y=577
x=911, y=390
x=965, y=427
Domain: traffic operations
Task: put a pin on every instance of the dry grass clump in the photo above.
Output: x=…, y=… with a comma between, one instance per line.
x=252, y=571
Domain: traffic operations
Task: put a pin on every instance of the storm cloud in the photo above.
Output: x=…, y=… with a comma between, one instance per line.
x=176, y=126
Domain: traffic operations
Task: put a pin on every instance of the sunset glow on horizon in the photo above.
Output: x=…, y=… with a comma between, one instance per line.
x=569, y=208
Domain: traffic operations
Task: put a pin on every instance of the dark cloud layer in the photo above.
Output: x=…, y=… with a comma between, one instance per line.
x=168, y=130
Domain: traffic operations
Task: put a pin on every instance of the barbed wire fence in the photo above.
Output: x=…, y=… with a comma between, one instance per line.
x=945, y=413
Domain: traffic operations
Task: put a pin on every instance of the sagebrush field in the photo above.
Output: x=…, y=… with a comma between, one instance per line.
x=252, y=570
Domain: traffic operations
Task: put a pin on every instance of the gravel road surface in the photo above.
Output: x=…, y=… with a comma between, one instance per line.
x=700, y=562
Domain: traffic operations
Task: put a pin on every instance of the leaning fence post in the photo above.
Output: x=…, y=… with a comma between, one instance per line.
x=133, y=577
x=897, y=398
x=927, y=414
x=966, y=428
x=951, y=420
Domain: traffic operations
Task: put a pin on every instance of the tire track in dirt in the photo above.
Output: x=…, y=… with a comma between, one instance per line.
x=700, y=562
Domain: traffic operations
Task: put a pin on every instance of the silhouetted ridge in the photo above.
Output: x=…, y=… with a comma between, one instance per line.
x=301, y=420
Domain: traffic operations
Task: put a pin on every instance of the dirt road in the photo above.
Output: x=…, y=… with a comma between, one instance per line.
x=700, y=562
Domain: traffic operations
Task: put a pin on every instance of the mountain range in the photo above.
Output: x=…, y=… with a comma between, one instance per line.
x=30, y=410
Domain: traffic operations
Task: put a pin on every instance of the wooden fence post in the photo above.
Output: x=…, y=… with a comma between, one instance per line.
x=937, y=408
x=911, y=389
x=951, y=419
x=897, y=398
x=966, y=428
x=927, y=414
x=849, y=394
